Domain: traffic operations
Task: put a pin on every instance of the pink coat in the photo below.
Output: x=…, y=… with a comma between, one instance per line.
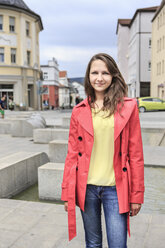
x=128, y=159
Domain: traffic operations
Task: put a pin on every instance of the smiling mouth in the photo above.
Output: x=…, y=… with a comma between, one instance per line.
x=98, y=84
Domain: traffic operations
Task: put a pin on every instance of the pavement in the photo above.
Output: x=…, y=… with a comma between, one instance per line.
x=26, y=224
x=43, y=225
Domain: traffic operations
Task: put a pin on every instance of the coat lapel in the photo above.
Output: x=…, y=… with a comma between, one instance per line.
x=121, y=120
x=85, y=117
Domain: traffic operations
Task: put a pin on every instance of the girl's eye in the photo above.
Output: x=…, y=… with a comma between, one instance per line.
x=103, y=73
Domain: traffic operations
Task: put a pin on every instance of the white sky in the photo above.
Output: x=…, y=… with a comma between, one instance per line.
x=74, y=30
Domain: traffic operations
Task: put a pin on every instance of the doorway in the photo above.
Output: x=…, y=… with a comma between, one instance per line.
x=8, y=91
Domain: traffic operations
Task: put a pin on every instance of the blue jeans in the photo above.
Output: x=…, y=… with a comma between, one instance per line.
x=116, y=224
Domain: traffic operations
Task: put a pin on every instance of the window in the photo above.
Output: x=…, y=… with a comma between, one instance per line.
x=1, y=22
x=162, y=66
x=147, y=100
x=45, y=75
x=6, y=86
x=13, y=55
x=159, y=68
x=160, y=20
x=156, y=100
x=149, y=66
x=12, y=24
x=28, y=57
x=160, y=48
x=27, y=28
x=2, y=56
x=149, y=42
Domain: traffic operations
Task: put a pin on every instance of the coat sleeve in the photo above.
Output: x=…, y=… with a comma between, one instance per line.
x=71, y=157
x=136, y=159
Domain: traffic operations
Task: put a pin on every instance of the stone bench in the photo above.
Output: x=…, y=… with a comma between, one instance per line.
x=58, y=150
x=63, y=123
x=152, y=124
x=18, y=171
x=66, y=122
x=49, y=181
x=153, y=137
x=14, y=116
x=5, y=127
x=154, y=156
x=45, y=135
x=23, y=127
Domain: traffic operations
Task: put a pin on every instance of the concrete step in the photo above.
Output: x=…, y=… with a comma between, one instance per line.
x=45, y=135
x=49, y=181
x=154, y=156
x=5, y=127
x=58, y=150
x=18, y=171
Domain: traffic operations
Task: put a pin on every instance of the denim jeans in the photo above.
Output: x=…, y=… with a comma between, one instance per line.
x=116, y=224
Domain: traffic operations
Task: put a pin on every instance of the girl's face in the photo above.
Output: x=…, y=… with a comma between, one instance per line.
x=99, y=76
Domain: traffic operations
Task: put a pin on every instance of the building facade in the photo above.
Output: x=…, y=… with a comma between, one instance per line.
x=64, y=92
x=122, y=46
x=78, y=85
x=50, y=72
x=158, y=53
x=134, y=55
x=19, y=53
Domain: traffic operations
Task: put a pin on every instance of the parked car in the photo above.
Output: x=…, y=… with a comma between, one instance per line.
x=150, y=103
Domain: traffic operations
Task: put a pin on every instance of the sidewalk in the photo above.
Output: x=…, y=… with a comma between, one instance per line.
x=26, y=224
x=43, y=225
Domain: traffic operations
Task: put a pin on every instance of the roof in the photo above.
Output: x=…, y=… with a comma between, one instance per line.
x=128, y=22
x=62, y=74
x=19, y=5
x=123, y=22
x=159, y=9
x=77, y=79
x=62, y=86
x=150, y=9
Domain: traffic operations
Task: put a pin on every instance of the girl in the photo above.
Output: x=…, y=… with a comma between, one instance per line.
x=104, y=164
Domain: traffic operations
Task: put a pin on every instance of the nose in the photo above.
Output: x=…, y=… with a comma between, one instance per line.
x=99, y=77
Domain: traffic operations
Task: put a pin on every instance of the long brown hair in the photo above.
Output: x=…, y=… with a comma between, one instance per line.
x=117, y=90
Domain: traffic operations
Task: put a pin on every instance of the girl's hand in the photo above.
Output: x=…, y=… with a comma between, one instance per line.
x=134, y=208
x=66, y=206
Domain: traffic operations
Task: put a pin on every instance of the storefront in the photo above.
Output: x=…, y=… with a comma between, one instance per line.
x=8, y=91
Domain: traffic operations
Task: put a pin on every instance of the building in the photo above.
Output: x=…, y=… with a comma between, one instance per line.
x=122, y=46
x=19, y=53
x=64, y=92
x=158, y=53
x=50, y=84
x=78, y=84
x=134, y=51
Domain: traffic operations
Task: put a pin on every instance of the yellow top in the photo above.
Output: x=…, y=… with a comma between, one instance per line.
x=101, y=171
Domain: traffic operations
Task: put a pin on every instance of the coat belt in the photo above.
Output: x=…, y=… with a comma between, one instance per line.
x=72, y=203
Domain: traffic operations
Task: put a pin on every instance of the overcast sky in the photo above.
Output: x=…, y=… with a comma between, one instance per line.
x=74, y=30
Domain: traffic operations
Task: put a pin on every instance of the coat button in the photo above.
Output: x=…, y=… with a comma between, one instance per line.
x=80, y=154
x=80, y=138
x=124, y=169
